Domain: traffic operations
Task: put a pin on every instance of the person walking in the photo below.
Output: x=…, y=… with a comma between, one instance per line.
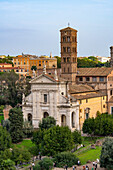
x=66, y=167
x=78, y=162
x=73, y=167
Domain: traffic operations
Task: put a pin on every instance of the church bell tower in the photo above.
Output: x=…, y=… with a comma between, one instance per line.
x=69, y=54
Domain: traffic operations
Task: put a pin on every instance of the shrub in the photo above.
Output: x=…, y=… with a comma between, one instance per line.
x=77, y=137
x=46, y=163
x=37, y=167
x=106, y=158
x=65, y=158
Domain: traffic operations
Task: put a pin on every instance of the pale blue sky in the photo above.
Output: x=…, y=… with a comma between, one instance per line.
x=32, y=26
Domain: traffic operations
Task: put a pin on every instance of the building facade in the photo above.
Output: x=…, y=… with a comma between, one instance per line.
x=49, y=98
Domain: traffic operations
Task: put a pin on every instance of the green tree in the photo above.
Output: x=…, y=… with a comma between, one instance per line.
x=57, y=139
x=106, y=158
x=65, y=158
x=16, y=124
x=58, y=61
x=7, y=165
x=20, y=155
x=46, y=163
x=47, y=123
x=34, y=68
x=38, y=138
x=77, y=137
x=5, y=139
x=93, y=58
x=89, y=126
x=27, y=129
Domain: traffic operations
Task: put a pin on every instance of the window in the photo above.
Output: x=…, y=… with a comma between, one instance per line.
x=80, y=101
x=64, y=39
x=111, y=110
x=87, y=115
x=49, y=73
x=101, y=78
x=94, y=79
x=64, y=60
x=39, y=64
x=64, y=49
x=39, y=61
x=80, y=78
x=110, y=85
x=62, y=93
x=24, y=63
x=111, y=92
x=64, y=70
x=17, y=71
x=104, y=106
x=87, y=79
x=45, y=98
x=68, y=39
x=103, y=98
x=21, y=70
x=86, y=100
x=68, y=49
x=80, y=110
x=68, y=59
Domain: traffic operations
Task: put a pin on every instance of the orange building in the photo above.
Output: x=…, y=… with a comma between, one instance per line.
x=6, y=67
x=27, y=61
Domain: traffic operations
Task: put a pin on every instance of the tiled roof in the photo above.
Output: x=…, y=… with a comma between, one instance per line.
x=80, y=88
x=90, y=95
x=68, y=28
x=103, y=71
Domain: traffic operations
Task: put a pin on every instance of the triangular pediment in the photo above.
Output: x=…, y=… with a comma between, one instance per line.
x=43, y=78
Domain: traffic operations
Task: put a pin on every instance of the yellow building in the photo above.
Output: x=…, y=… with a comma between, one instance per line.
x=27, y=61
x=90, y=101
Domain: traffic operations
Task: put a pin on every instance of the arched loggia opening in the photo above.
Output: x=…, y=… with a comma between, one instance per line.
x=46, y=114
x=73, y=119
x=63, y=120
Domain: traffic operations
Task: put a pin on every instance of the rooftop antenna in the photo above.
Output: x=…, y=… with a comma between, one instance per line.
x=68, y=24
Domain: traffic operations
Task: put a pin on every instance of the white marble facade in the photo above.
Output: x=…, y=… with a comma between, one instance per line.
x=48, y=97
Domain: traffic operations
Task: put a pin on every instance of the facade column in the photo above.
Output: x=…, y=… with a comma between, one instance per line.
x=34, y=110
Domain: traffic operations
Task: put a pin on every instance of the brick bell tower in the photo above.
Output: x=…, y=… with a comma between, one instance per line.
x=69, y=54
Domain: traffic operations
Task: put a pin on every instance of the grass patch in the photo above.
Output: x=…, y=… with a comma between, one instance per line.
x=88, y=154
x=25, y=143
x=1, y=117
x=90, y=140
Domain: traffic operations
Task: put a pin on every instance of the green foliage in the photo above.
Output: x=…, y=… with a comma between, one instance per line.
x=5, y=139
x=6, y=124
x=7, y=165
x=1, y=118
x=47, y=123
x=27, y=129
x=37, y=167
x=101, y=125
x=89, y=126
x=20, y=155
x=77, y=138
x=1, y=108
x=106, y=158
x=93, y=58
x=58, y=61
x=57, y=139
x=16, y=124
x=65, y=158
x=38, y=137
x=46, y=163
x=34, y=150
x=34, y=68
x=88, y=154
x=88, y=62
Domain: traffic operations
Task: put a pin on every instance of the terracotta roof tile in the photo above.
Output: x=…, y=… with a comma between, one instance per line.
x=103, y=71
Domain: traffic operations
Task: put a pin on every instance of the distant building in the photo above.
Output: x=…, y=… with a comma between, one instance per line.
x=27, y=61
x=6, y=67
x=103, y=59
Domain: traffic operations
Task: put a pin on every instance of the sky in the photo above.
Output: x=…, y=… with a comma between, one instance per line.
x=32, y=26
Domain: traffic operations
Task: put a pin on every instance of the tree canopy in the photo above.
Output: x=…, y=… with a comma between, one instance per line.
x=47, y=123
x=16, y=124
x=5, y=139
x=106, y=158
x=101, y=125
